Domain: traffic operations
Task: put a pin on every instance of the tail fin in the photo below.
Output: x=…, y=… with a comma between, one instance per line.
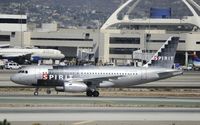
x=196, y=58
x=164, y=57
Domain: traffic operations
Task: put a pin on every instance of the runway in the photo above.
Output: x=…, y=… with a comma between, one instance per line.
x=99, y=114
x=64, y=101
x=72, y=110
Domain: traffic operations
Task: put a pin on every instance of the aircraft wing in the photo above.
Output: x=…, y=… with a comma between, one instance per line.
x=102, y=78
x=8, y=55
x=97, y=80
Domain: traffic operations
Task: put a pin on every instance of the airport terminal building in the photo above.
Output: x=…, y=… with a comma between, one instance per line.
x=117, y=38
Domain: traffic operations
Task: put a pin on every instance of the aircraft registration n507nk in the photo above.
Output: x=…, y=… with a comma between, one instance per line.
x=89, y=78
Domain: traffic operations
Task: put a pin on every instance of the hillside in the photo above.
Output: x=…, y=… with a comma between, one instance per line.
x=83, y=13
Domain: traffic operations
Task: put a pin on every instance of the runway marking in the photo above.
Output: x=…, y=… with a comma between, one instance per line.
x=83, y=122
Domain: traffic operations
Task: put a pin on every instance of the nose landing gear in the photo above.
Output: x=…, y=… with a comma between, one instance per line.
x=48, y=91
x=36, y=93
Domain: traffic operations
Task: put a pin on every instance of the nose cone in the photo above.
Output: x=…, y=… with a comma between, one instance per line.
x=15, y=78
x=62, y=56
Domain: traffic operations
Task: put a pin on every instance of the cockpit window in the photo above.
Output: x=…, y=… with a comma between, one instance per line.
x=23, y=71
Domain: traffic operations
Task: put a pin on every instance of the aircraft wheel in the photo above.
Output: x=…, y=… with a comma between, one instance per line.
x=36, y=93
x=48, y=91
x=89, y=93
x=95, y=93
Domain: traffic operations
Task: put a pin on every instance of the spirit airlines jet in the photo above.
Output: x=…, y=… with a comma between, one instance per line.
x=20, y=55
x=89, y=78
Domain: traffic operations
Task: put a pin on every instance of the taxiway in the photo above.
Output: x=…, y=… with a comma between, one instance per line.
x=99, y=114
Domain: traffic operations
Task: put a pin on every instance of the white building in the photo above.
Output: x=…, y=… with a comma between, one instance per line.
x=117, y=38
x=120, y=36
x=12, y=28
x=13, y=23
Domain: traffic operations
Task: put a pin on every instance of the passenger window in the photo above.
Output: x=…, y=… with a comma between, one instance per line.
x=26, y=72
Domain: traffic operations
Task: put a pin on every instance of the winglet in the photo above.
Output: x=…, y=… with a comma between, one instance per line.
x=165, y=56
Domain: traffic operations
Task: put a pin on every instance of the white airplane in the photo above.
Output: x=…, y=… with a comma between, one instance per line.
x=20, y=55
x=89, y=78
x=4, y=45
x=196, y=62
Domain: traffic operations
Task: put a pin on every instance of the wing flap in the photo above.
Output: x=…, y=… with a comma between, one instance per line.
x=96, y=80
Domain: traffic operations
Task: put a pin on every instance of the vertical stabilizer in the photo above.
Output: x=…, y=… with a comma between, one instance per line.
x=165, y=56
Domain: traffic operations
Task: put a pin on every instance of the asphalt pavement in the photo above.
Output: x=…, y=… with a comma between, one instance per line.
x=95, y=114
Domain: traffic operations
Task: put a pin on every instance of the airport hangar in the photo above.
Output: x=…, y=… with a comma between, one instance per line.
x=116, y=40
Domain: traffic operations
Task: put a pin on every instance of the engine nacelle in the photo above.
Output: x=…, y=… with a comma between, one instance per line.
x=106, y=84
x=72, y=87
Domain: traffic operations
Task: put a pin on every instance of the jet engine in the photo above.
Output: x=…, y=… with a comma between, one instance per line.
x=72, y=87
x=106, y=84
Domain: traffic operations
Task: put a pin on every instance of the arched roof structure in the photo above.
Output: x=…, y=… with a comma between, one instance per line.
x=113, y=19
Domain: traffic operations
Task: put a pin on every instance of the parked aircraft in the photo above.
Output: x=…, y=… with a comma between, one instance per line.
x=4, y=45
x=196, y=62
x=19, y=55
x=89, y=78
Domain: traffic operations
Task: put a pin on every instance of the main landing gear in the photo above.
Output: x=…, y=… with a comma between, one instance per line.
x=91, y=93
